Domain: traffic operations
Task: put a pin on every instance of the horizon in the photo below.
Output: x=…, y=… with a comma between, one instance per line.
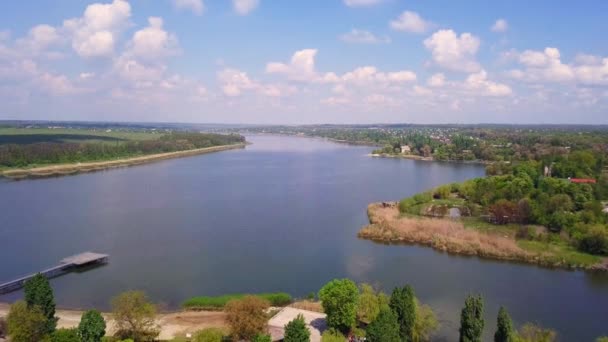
x=303, y=63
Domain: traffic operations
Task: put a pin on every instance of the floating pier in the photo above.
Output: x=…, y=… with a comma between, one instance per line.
x=66, y=265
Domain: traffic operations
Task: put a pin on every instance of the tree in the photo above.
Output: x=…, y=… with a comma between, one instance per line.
x=38, y=292
x=426, y=323
x=65, y=335
x=135, y=316
x=369, y=303
x=385, y=328
x=471, y=320
x=247, y=317
x=209, y=335
x=504, y=327
x=26, y=324
x=296, y=330
x=403, y=303
x=534, y=333
x=339, y=299
x=92, y=327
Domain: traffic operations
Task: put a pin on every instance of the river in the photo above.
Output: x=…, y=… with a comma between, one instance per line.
x=280, y=215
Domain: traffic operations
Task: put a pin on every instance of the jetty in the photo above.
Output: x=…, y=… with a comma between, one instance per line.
x=66, y=265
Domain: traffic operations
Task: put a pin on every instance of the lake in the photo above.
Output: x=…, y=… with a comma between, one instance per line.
x=280, y=215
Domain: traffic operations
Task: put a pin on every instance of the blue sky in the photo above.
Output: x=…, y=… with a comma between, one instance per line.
x=315, y=61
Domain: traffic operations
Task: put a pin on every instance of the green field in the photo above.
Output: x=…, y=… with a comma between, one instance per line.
x=218, y=302
x=13, y=135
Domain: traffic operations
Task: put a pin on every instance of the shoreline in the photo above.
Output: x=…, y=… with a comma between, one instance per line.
x=446, y=235
x=74, y=168
x=429, y=159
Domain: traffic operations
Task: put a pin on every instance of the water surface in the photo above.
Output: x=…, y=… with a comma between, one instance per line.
x=280, y=215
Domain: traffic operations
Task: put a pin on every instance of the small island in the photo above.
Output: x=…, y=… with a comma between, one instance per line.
x=529, y=213
x=34, y=152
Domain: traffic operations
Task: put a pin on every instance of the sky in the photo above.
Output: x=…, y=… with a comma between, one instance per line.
x=305, y=61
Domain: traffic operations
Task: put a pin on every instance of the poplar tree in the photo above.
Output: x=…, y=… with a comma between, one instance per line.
x=504, y=327
x=38, y=293
x=471, y=320
x=403, y=304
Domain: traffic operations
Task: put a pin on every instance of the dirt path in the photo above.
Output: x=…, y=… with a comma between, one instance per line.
x=66, y=169
x=172, y=324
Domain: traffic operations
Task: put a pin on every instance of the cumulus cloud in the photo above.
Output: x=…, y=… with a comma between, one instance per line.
x=301, y=66
x=361, y=3
x=196, y=6
x=40, y=37
x=500, y=25
x=436, y=80
x=95, y=33
x=411, y=22
x=153, y=42
x=363, y=37
x=453, y=52
x=244, y=7
x=235, y=82
x=479, y=82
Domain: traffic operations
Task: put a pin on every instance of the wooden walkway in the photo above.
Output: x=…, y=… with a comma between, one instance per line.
x=66, y=265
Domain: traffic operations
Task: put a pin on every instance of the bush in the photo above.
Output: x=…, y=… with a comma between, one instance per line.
x=247, y=317
x=92, y=326
x=425, y=324
x=65, y=335
x=134, y=316
x=595, y=241
x=339, y=299
x=262, y=338
x=534, y=333
x=208, y=335
x=384, y=328
x=296, y=330
x=332, y=335
x=219, y=302
x=26, y=324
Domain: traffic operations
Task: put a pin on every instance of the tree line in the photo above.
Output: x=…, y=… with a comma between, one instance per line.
x=24, y=155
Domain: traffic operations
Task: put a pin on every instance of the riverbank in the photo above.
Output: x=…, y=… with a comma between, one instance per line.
x=415, y=157
x=173, y=324
x=73, y=168
x=387, y=225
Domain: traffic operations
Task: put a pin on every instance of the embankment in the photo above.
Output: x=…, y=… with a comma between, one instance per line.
x=68, y=169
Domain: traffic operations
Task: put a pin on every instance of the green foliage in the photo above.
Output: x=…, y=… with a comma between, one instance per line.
x=262, y=338
x=92, y=327
x=134, y=316
x=595, y=240
x=426, y=323
x=417, y=199
x=296, y=330
x=369, y=303
x=385, y=328
x=471, y=320
x=26, y=324
x=208, y=335
x=602, y=339
x=403, y=304
x=38, y=292
x=218, y=302
x=247, y=317
x=65, y=335
x=534, y=333
x=332, y=335
x=339, y=298
x=504, y=327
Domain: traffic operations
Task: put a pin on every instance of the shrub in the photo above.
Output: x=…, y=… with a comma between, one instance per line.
x=219, y=302
x=425, y=324
x=92, y=326
x=134, y=316
x=384, y=328
x=247, y=317
x=534, y=333
x=262, y=338
x=296, y=330
x=332, y=335
x=208, y=335
x=339, y=299
x=595, y=241
x=65, y=335
x=26, y=324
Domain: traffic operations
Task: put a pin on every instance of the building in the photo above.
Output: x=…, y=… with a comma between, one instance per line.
x=582, y=180
x=406, y=149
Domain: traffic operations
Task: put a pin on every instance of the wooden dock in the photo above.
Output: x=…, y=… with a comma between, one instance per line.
x=66, y=265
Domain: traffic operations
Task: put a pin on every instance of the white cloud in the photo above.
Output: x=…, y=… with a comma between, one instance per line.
x=95, y=33
x=361, y=3
x=234, y=82
x=479, y=82
x=196, y=6
x=453, y=52
x=410, y=22
x=244, y=7
x=40, y=37
x=436, y=80
x=500, y=25
x=363, y=37
x=301, y=66
x=153, y=42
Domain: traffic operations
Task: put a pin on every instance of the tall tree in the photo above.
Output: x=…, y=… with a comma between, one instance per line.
x=38, y=292
x=504, y=327
x=339, y=299
x=26, y=324
x=384, y=328
x=403, y=303
x=296, y=330
x=92, y=327
x=471, y=320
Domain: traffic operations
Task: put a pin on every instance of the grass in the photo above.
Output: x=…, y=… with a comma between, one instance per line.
x=14, y=135
x=559, y=252
x=218, y=302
